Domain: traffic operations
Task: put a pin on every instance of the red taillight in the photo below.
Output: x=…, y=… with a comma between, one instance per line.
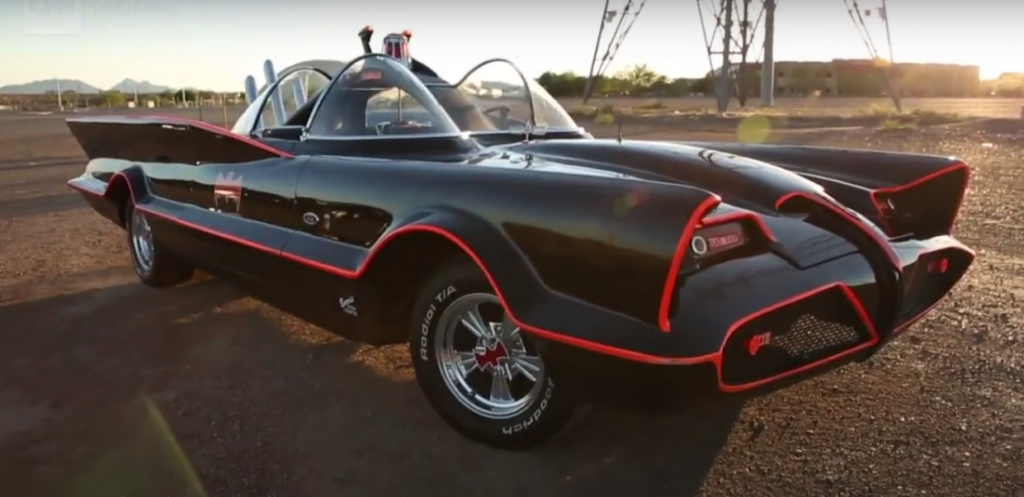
x=397, y=46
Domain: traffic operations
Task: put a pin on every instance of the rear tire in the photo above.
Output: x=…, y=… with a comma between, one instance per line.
x=155, y=266
x=485, y=378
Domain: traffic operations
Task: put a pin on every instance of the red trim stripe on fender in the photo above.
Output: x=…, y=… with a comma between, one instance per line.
x=894, y=258
x=892, y=190
x=217, y=130
x=677, y=259
x=629, y=355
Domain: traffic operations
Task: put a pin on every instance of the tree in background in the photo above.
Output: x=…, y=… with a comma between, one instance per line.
x=638, y=80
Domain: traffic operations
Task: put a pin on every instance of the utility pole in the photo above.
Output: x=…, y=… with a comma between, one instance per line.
x=746, y=38
x=723, y=90
x=597, y=47
x=893, y=88
x=60, y=97
x=768, y=64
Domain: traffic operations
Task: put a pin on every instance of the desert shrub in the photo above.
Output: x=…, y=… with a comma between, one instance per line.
x=894, y=124
x=655, y=105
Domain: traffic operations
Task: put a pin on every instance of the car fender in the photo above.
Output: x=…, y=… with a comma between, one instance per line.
x=530, y=304
x=107, y=184
x=126, y=184
x=506, y=268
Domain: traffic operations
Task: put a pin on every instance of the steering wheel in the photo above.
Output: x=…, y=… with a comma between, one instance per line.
x=501, y=110
x=401, y=127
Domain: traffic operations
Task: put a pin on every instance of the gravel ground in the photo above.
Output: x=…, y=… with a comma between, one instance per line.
x=111, y=389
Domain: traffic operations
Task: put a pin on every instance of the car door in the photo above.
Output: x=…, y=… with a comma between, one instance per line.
x=250, y=209
x=253, y=202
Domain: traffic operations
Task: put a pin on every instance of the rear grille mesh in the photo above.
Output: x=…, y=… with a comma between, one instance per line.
x=791, y=337
x=809, y=337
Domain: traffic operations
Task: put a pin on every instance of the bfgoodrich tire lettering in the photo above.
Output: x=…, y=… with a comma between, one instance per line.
x=482, y=375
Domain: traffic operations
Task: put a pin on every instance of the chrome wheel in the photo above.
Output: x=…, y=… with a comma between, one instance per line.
x=142, y=242
x=485, y=362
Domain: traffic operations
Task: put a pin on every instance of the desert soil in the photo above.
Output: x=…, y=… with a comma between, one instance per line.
x=108, y=388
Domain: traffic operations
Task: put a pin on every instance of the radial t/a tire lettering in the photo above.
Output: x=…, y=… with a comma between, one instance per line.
x=153, y=264
x=479, y=371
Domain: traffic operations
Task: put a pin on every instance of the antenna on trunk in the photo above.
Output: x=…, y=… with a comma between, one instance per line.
x=366, y=34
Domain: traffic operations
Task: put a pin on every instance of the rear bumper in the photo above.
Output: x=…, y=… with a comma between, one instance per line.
x=639, y=387
x=754, y=325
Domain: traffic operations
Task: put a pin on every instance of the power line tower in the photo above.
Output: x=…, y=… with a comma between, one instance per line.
x=768, y=62
x=732, y=32
x=731, y=28
x=748, y=29
x=623, y=20
x=718, y=13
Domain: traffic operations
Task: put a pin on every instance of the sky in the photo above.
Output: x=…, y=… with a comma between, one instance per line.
x=214, y=44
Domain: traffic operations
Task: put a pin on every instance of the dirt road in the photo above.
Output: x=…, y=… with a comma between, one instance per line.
x=109, y=388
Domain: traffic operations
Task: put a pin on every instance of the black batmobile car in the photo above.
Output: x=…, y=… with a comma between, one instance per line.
x=528, y=265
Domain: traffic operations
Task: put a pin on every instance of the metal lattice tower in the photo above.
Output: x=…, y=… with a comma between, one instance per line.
x=733, y=29
x=730, y=28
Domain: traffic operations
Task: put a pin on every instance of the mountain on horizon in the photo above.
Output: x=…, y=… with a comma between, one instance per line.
x=49, y=85
x=127, y=86
x=130, y=86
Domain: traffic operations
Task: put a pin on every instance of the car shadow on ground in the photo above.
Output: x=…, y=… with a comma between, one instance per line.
x=131, y=391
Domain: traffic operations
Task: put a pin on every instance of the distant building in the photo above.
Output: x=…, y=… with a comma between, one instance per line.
x=938, y=80
x=799, y=78
x=865, y=77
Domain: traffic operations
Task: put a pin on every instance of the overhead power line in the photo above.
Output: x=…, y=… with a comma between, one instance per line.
x=626, y=19
x=857, y=18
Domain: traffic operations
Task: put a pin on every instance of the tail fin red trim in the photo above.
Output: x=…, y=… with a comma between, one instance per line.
x=882, y=243
x=677, y=258
x=892, y=190
x=180, y=121
x=217, y=130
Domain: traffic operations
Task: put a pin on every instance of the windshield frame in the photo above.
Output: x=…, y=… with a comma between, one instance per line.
x=456, y=133
x=528, y=86
x=250, y=122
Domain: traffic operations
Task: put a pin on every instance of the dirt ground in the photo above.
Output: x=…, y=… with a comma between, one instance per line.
x=111, y=389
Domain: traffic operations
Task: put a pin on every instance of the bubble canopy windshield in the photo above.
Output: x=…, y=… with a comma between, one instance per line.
x=376, y=96
x=494, y=96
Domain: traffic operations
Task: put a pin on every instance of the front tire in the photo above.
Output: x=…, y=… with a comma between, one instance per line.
x=485, y=378
x=155, y=266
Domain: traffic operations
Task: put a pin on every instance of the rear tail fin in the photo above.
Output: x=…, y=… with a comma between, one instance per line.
x=164, y=139
x=927, y=206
